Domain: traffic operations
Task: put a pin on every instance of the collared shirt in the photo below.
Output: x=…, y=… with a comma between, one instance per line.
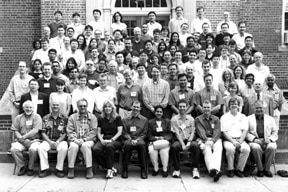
x=175, y=24
x=54, y=127
x=183, y=127
x=100, y=95
x=42, y=55
x=240, y=40
x=260, y=73
x=246, y=91
x=173, y=82
x=83, y=93
x=127, y=95
x=208, y=127
x=234, y=125
x=115, y=80
x=213, y=96
x=232, y=27
x=24, y=124
x=277, y=95
x=152, y=26
x=196, y=25
x=156, y=93
x=78, y=55
x=177, y=94
x=135, y=127
x=18, y=86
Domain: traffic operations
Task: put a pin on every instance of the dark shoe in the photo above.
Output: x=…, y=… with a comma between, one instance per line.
x=89, y=173
x=260, y=174
x=143, y=174
x=230, y=173
x=124, y=174
x=217, y=176
x=213, y=173
x=30, y=172
x=165, y=174
x=248, y=170
x=70, y=174
x=43, y=173
x=22, y=171
x=155, y=173
x=59, y=173
x=239, y=173
x=268, y=174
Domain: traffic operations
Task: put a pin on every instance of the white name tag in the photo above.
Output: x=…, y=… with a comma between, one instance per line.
x=133, y=94
x=46, y=85
x=182, y=96
x=159, y=129
x=213, y=98
x=29, y=123
x=212, y=125
x=183, y=126
x=92, y=81
x=189, y=84
x=40, y=102
x=133, y=129
x=121, y=68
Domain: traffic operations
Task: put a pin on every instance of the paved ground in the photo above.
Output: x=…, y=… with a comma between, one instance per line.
x=12, y=183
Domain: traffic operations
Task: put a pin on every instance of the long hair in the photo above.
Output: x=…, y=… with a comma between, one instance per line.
x=84, y=45
x=113, y=113
x=171, y=42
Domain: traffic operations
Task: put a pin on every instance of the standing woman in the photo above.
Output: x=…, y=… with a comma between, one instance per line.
x=36, y=70
x=92, y=45
x=239, y=76
x=36, y=46
x=60, y=95
x=175, y=40
x=70, y=64
x=162, y=47
x=159, y=135
x=117, y=23
x=109, y=134
x=82, y=43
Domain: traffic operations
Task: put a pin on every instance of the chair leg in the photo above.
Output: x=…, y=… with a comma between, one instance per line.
x=14, y=171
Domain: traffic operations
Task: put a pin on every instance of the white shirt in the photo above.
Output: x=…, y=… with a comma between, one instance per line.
x=234, y=125
x=78, y=29
x=100, y=25
x=152, y=26
x=217, y=74
x=102, y=95
x=57, y=43
x=85, y=93
x=196, y=25
x=232, y=27
x=120, y=26
x=183, y=38
x=42, y=55
x=199, y=83
x=64, y=99
x=175, y=24
x=34, y=98
x=78, y=56
x=260, y=73
x=198, y=67
x=240, y=40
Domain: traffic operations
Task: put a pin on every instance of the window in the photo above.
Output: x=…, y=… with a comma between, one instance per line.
x=140, y=3
x=285, y=22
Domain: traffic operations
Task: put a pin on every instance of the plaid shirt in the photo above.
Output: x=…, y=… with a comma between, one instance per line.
x=54, y=128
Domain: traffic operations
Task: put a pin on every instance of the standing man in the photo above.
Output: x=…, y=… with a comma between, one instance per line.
x=153, y=24
x=57, y=42
x=262, y=137
x=56, y=67
x=155, y=92
x=98, y=23
x=56, y=23
x=26, y=129
x=18, y=86
x=196, y=25
x=234, y=126
x=175, y=23
x=76, y=25
x=232, y=26
x=182, y=125
x=47, y=83
x=42, y=53
x=134, y=132
x=81, y=132
x=54, y=135
x=248, y=89
x=208, y=130
x=241, y=35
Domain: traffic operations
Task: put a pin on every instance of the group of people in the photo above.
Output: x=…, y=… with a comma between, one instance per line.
x=89, y=94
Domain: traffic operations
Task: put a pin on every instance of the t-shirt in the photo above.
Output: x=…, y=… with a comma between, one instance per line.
x=109, y=129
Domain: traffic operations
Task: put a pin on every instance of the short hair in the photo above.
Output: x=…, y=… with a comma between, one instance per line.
x=148, y=41
x=96, y=10
x=73, y=68
x=206, y=62
x=181, y=75
x=270, y=76
x=232, y=42
x=70, y=28
x=209, y=35
x=140, y=65
x=241, y=22
x=173, y=64
x=102, y=75
x=80, y=100
x=205, y=23
x=156, y=31
x=189, y=37
x=119, y=53
x=178, y=7
x=33, y=80
x=248, y=37
x=182, y=101
x=82, y=75
x=232, y=85
x=58, y=12
x=111, y=40
x=47, y=64
x=61, y=26
x=156, y=67
x=74, y=40
x=137, y=102
x=88, y=27
x=199, y=8
x=127, y=71
x=44, y=40
x=152, y=12
x=158, y=107
x=75, y=14
x=143, y=51
x=117, y=30
x=224, y=24
x=60, y=82
x=28, y=103
x=52, y=50
x=206, y=102
x=250, y=75
x=207, y=75
x=193, y=51
x=233, y=100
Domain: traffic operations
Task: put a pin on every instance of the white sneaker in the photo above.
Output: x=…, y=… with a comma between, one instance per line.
x=109, y=174
x=115, y=171
x=195, y=173
x=176, y=174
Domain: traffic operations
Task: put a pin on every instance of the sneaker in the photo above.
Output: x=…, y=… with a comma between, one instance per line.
x=268, y=174
x=109, y=174
x=230, y=173
x=22, y=171
x=43, y=173
x=195, y=173
x=176, y=174
x=217, y=176
x=239, y=173
x=30, y=172
x=115, y=171
x=260, y=174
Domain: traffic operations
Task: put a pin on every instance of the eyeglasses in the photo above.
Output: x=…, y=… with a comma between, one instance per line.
x=89, y=64
x=82, y=105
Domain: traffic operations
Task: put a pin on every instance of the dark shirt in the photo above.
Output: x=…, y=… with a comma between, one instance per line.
x=163, y=131
x=135, y=127
x=109, y=129
x=47, y=87
x=54, y=128
x=208, y=127
x=260, y=126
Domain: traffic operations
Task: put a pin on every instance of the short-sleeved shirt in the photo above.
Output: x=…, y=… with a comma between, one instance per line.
x=54, y=128
x=183, y=127
x=277, y=95
x=24, y=124
x=234, y=125
x=126, y=96
x=177, y=94
x=213, y=96
x=109, y=129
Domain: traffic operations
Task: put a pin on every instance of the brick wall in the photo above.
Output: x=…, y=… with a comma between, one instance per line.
x=20, y=25
x=67, y=7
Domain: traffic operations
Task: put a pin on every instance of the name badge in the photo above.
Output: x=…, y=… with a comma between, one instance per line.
x=264, y=104
x=182, y=96
x=133, y=94
x=29, y=123
x=92, y=81
x=121, y=68
x=213, y=98
x=40, y=102
x=212, y=125
x=277, y=96
x=159, y=129
x=119, y=80
x=46, y=85
x=189, y=84
x=183, y=126
x=133, y=129
x=60, y=127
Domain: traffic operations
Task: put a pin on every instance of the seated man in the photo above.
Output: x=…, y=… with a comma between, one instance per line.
x=81, y=132
x=134, y=133
x=54, y=136
x=26, y=129
x=182, y=125
x=208, y=130
x=234, y=126
x=262, y=137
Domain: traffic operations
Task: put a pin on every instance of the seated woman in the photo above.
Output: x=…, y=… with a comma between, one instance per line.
x=109, y=134
x=159, y=135
x=227, y=78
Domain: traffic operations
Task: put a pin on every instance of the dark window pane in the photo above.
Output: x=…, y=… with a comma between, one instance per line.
x=156, y=3
x=118, y=3
x=163, y=3
x=132, y=3
x=286, y=21
x=148, y=3
x=125, y=3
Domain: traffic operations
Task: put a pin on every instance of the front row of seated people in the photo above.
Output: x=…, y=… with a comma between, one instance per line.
x=100, y=138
